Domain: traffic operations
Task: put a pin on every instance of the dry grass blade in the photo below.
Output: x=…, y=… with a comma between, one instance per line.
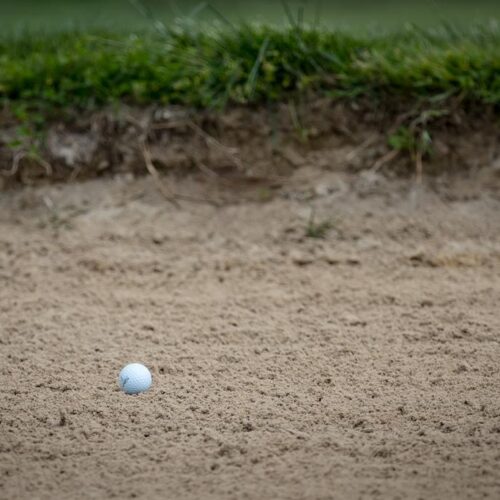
x=200, y=201
x=419, y=167
x=212, y=141
x=363, y=147
x=15, y=165
x=209, y=140
x=45, y=164
x=168, y=193
x=19, y=156
x=387, y=158
x=208, y=171
x=164, y=189
x=168, y=125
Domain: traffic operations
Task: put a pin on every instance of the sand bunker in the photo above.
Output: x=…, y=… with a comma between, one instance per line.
x=361, y=365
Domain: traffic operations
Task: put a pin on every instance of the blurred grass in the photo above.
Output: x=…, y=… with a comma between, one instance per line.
x=249, y=64
x=353, y=15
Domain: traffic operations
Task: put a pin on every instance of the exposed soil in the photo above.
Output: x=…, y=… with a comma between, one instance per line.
x=240, y=141
x=361, y=365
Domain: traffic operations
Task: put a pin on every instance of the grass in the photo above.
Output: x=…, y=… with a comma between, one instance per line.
x=317, y=230
x=247, y=64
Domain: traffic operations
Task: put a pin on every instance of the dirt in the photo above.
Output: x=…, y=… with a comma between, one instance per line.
x=239, y=142
x=364, y=364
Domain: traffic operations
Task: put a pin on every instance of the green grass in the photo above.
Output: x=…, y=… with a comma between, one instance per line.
x=317, y=230
x=248, y=64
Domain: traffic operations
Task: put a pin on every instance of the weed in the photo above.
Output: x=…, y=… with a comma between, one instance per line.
x=415, y=139
x=301, y=131
x=264, y=195
x=411, y=141
x=317, y=230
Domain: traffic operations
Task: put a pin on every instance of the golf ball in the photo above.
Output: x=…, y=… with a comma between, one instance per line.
x=135, y=378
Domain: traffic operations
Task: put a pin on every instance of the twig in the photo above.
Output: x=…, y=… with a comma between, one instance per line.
x=420, y=167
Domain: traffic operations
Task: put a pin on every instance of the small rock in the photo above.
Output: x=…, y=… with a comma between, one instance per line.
x=353, y=261
x=157, y=240
x=422, y=259
x=353, y=320
x=496, y=165
x=332, y=259
x=72, y=148
x=301, y=259
x=62, y=419
x=322, y=190
x=462, y=368
x=293, y=157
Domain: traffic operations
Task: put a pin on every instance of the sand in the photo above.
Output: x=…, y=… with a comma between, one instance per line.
x=361, y=365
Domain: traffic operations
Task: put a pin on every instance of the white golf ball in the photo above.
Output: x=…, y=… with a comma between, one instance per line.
x=135, y=378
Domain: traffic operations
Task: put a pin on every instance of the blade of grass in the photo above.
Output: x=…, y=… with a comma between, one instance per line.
x=252, y=78
x=317, y=14
x=289, y=13
x=147, y=13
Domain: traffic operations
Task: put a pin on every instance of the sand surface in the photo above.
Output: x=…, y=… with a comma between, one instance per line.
x=362, y=365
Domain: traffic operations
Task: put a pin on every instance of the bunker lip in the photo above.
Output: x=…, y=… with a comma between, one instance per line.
x=250, y=144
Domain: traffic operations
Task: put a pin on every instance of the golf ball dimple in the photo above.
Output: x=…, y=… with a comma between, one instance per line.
x=134, y=379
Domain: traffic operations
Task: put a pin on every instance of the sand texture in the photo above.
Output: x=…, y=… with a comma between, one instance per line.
x=362, y=365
